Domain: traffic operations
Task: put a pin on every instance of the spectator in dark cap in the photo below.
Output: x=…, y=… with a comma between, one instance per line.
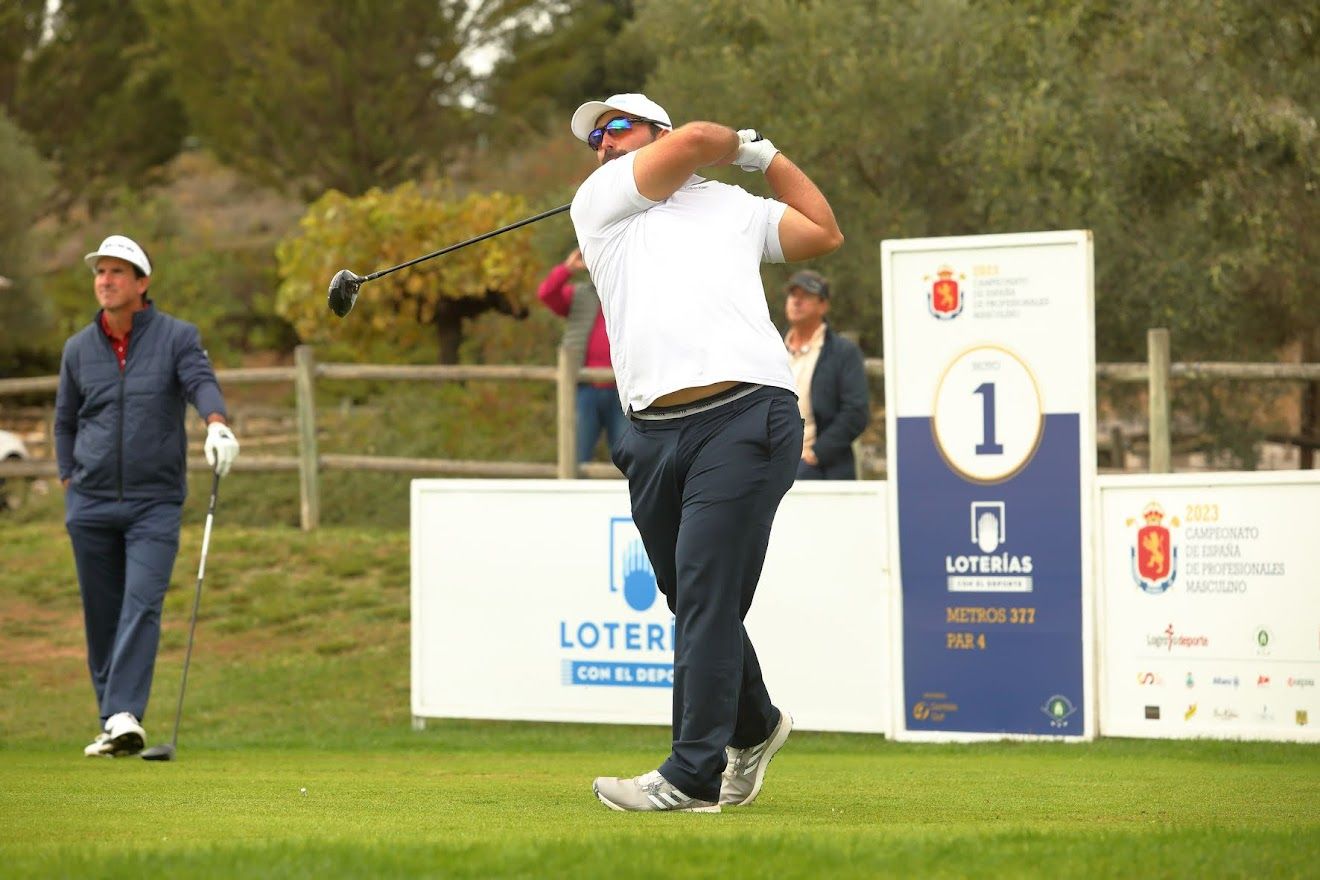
x=831, y=381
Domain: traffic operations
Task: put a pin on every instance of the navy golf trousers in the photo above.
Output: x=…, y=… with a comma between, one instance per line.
x=124, y=552
x=705, y=488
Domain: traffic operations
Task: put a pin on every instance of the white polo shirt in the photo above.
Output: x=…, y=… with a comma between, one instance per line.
x=679, y=282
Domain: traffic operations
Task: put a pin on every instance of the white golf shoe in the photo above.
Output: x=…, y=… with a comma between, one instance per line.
x=647, y=793
x=99, y=747
x=126, y=736
x=745, y=772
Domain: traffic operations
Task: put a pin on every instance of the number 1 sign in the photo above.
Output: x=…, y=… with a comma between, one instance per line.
x=989, y=390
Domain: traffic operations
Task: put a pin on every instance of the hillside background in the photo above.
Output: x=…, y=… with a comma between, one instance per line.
x=355, y=135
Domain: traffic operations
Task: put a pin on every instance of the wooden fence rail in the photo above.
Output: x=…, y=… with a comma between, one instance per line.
x=1156, y=373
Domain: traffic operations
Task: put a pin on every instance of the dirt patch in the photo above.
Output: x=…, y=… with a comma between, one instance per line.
x=35, y=652
x=37, y=635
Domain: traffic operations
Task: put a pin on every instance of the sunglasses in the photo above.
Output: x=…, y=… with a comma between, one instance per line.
x=614, y=126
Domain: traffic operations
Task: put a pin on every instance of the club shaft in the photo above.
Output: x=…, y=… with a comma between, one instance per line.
x=462, y=244
x=197, y=601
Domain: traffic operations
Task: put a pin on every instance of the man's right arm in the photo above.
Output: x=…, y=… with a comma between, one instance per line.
x=67, y=401
x=664, y=165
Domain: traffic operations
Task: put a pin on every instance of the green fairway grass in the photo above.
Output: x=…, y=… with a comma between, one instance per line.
x=300, y=681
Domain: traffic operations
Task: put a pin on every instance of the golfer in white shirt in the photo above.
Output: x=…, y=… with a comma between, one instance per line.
x=714, y=432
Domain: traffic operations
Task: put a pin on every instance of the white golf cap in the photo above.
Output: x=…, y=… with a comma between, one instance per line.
x=584, y=119
x=121, y=247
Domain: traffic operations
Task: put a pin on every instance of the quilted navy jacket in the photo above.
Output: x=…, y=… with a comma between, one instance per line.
x=121, y=434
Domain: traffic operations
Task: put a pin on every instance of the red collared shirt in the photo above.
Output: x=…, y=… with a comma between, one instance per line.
x=118, y=343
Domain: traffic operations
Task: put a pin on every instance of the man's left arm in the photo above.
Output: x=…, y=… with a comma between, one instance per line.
x=197, y=377
x=854, y=407
x=202, y=389
x=808, y=228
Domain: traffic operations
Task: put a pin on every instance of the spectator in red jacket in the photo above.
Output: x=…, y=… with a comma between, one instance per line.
x=597, y=402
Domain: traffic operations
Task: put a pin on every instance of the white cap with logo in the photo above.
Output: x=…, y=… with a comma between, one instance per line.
x=123, y=248
x=584, y=119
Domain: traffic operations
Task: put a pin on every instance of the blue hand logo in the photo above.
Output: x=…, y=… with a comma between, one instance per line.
x=638, y=577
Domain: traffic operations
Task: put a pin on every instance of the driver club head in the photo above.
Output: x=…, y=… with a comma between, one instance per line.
x=163, y=752
x=344, y=291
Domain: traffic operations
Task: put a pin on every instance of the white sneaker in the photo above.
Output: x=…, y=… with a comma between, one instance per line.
x=126, y=735
x=647, y=793
x=745, y=772
x=99, y=747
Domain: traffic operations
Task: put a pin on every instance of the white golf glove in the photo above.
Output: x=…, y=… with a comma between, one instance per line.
x=754, y=151
x=221, y=447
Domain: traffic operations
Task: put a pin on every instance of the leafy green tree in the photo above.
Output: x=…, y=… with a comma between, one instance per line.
x=1184, y=135
x=95, y=97
x=20, y=32
x=865, y=97
x=553, y=63
x=315, y=95
x=24, y=318
x=417, y=309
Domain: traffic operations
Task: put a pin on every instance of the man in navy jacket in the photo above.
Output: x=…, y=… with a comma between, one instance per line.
x=125, y=381
x=833, y=396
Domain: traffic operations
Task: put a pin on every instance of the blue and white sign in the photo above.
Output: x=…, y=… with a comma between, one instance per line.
x=989, y=368
x=535, y=600
x=626, y=647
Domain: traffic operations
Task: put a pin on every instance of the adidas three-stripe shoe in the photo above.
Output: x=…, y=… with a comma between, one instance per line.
x=126, y=734
x=745, y=772
x=649, y=792
x=99, y=747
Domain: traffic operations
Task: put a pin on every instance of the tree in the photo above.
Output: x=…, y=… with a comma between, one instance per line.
x=554, y=63
x=24, y=318
x=866, y=99
x=413, y=309
x=1184, y=135
x=20, y=33
x=95, y=97
x=345, y=95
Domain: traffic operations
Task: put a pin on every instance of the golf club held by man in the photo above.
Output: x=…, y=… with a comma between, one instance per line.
x=125, y=381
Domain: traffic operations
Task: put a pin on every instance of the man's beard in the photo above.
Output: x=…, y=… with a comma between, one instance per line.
x=612, y=153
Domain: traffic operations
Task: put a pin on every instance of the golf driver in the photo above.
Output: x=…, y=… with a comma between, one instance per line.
x=344, y=286
x=165, y=752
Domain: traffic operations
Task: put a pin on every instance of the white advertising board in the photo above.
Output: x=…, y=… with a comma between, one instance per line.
x=1210, y=606
x=534, y=600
